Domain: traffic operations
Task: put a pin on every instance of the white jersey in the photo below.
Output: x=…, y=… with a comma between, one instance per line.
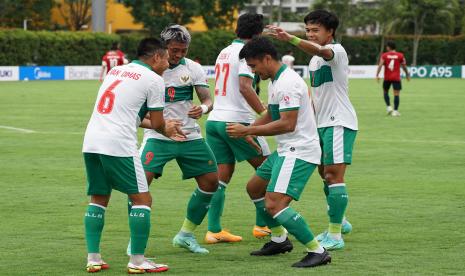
x=330, y=90
x=230, y=105
x=288, y=60
x=112, y=129
x=288, y=91
x=180, y=82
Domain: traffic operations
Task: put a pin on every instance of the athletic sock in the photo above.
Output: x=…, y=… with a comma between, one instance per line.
x=279, y=234
x=259, y=220
x=396, y=102
x=139, y=225
x=129, y=205
x=216, y=208
x=94, y=219
x=386, y=99
x=261, y=210
x=295, y=224
x=337, y=201
x=188, y=227
x=198, y=206
x=314, y=246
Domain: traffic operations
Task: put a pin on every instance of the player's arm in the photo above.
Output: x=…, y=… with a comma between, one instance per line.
x=308, y=47
x=247, y=91
x=404, y=67
x=104, y=71
x=378, y=70
x=286, y=124
x=206, y=103
x=265, y=118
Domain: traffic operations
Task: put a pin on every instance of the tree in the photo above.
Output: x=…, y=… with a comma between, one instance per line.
x=157, y=14
x=76, y=13
x=219, y=13
x=12, y=13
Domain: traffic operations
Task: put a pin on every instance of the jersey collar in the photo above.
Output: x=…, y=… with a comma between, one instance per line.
x=142, y=63
x=182, y=61
x=281, y=69
x=237, y=40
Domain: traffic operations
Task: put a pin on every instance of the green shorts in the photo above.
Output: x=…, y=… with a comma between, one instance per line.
x=228, y=150
x=337, y=143
x=193, y=157
x=105, y=172
x=287, y=175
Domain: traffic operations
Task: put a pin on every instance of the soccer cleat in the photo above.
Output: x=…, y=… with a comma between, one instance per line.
x=96, y=266
x=146, y=267
x=189, y=243
x=273, y=248
x=332, y=244
x=321, y=236
x=260, y=232
x=395, y=113
x=389, y=110
x=223, y=236
x=346, y=227
x=314, y=259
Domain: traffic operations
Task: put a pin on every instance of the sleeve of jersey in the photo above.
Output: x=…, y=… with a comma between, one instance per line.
x=199, y=77
x=156, y=96
x=337, y=55
x=244, y=69
x=289, y=97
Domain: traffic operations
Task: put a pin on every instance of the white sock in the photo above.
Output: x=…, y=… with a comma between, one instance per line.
x=319, y=250
x=94, y=257
x=136, y=259
x=279, y=239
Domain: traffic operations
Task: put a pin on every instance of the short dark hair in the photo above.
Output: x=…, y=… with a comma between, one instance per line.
x=115, y=46
x=257, y=48
x=323, y=17
x=391, y=45
x=249, y=25
x=149, y=46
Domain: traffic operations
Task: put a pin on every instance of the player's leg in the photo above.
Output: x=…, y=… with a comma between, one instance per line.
x=217, y=139
x=397, y=86
x=99, y=190
x=387, y=100
x=337, y=151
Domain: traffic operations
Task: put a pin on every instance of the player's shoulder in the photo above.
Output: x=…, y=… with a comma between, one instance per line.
x=192, y=65
x=336, y=47
x=290, y=79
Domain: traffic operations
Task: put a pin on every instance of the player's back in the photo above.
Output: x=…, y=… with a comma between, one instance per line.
x=113, y=58
x=392, y=63
x=112, y=128
x=229, y=104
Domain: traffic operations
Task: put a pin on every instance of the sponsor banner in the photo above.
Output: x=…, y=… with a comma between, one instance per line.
x=82, y=72
x=9, y=73
x=41, y=72
x=362, y=72
x=210, y=71
x=434, y=71
x=463, y=72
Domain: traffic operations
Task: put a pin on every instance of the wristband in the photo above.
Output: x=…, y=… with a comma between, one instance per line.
x=295, y=40
x=204, y=108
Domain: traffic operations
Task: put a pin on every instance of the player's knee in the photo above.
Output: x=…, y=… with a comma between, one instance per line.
x=330, y=178
x=273, y=207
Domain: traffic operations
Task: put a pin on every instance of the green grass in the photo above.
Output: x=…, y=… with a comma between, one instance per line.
x=407, y=199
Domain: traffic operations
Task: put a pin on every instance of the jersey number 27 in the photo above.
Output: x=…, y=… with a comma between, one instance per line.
x=221, y=70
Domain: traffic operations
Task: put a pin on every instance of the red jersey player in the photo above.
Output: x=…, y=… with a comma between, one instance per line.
x=112, y=58
x=392, y=61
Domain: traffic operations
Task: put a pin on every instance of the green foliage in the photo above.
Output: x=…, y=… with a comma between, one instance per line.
x=13, y=12
x=219, y=13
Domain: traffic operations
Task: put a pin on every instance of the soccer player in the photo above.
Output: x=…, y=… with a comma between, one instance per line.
x=193, y=155
x=336, y=119
x=112, y=58
x=284, y=174
x=110, y=150
x=392, y=61
x=234, y=99
x=288, y=59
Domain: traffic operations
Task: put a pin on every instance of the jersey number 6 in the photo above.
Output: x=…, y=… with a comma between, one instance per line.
x=105, y=104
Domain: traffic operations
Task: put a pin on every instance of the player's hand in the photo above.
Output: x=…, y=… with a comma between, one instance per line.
x=408, y=78
x=195, y=112
x=236, y=130
x=251, y=140
x=173, y=130
x=377, y=79
x=277, y=32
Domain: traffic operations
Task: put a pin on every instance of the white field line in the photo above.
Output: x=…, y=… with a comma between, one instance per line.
x=23, y=130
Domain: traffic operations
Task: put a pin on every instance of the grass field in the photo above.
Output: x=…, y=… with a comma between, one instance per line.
x=406, y=187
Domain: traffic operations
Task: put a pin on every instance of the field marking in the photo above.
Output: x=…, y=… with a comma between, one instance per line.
x=23, y=130
x=438, y=142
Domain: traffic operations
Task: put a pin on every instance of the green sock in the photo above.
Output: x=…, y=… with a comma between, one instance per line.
x=337, y=202
x=325, y=189
x=139, y=224
x=261, y=210
x=94, y=220
x=259, y=220
x=216, y=209
x=198, y=206
x=296, y=225
x=129, y=205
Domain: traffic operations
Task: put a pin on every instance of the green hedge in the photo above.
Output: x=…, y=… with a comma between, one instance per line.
x=18, y=47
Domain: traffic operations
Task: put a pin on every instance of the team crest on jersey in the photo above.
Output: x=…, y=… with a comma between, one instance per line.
x=286, y=99
x=185, y=78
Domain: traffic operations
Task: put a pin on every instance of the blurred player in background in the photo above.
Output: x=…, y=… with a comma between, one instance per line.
x=288, y=59
x=110, y=150
x=336, y=118
x=392, y=61
x=112, y=58
x=235, y=99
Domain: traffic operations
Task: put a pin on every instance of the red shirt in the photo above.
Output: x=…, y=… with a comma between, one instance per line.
x=392, y=62
x=113, y=58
